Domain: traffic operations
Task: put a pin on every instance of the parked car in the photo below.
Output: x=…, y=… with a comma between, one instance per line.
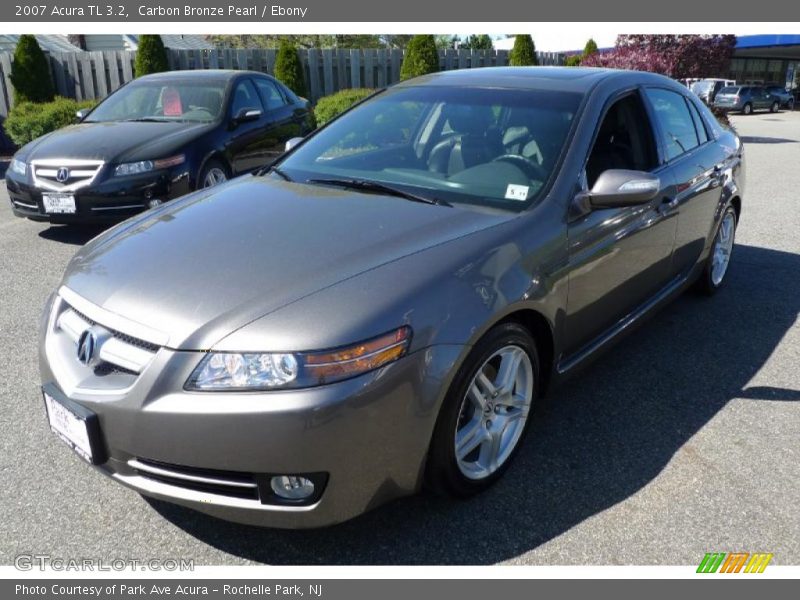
x=707, y=89
x=387, y=305
x=746, y=99
x=153, y=140
x=784, y=96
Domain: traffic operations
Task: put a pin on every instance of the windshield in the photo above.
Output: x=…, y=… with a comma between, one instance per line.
x=729, y=90
x=702, y=86
x=176, y=100
x=490, y=147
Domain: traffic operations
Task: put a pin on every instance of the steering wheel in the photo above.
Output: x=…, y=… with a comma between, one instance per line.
x=532, y=170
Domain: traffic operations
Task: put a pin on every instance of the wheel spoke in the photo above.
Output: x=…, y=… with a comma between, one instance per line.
x=470, y=437
x=507, y=374
x=477, y=397
x=490, y=451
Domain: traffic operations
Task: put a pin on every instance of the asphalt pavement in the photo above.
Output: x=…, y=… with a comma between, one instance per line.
x=684, y=439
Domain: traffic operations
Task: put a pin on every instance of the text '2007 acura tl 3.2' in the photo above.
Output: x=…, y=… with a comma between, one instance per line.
x=383, y=308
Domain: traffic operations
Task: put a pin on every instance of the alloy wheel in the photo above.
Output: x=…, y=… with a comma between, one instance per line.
x=723, y=248
x=214, y=177
x=493, y=413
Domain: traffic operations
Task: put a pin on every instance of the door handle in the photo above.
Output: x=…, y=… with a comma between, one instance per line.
x=667, y=205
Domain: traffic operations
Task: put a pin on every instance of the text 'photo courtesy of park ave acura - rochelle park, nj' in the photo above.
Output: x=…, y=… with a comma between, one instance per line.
x=497, y=294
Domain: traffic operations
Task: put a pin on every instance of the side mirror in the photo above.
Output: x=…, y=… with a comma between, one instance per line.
x=247, y=114
x=81, y=114
x=292, y=143
x=617, y=188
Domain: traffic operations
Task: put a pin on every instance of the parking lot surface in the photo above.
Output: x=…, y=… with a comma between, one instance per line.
x=682, y=440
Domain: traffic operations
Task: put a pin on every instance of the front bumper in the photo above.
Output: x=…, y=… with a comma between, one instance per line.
x=367, y=437
x=109, y=199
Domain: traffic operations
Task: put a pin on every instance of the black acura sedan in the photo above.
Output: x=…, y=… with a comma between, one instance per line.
x=386, y=307
x=155, y=139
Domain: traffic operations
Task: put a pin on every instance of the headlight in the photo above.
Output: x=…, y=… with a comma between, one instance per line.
x=266, y=371
x=18, y=166
x=144, y=166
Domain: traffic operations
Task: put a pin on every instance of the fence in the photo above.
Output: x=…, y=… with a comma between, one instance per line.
x=93, y=75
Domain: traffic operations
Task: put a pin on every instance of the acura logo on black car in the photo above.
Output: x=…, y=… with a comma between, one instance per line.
x=62, y=174
x=86, y=347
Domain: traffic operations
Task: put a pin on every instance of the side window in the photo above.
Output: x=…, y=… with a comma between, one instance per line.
x=676, y=122
x=702, y=133
x=244, y=96
x=270, y=94
x=624, y=140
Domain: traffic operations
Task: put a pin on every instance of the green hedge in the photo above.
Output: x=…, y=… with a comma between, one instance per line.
x=330, y=106
x=30, y=120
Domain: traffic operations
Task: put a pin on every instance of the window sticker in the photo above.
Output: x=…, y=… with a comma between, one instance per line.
x=517, y=192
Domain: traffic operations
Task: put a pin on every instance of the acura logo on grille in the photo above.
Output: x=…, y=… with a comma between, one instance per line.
x=62, y=174
x=86, y=347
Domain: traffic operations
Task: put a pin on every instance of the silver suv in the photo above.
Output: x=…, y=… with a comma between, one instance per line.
x=746, y=99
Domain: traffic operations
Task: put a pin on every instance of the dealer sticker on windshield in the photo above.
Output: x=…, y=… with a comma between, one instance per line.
x=517, y=192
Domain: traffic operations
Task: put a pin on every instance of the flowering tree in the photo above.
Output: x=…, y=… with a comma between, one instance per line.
x=677, y=56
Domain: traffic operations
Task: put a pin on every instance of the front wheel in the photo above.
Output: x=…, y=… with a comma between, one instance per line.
x=213, y=173
x=747, y=109
x=485, y=413
x=774, y=108
x=719, y=260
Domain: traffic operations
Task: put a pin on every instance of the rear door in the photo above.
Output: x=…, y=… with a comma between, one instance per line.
x=694, y=162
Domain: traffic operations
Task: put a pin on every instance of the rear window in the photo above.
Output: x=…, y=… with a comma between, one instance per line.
x=729, y=90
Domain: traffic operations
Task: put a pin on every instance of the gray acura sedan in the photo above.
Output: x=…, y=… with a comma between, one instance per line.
x=383, y=309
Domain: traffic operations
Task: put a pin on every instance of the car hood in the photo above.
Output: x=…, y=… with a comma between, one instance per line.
x=201, y=267
x=114, y=141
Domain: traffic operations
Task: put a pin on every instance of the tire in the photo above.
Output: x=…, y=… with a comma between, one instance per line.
x=790, y=104
x=501, y=425
x=775, y=107
x=713, y=275
x=213, y=170
x=747, y=109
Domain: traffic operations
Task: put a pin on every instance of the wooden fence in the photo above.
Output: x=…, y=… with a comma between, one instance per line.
x=93, y=75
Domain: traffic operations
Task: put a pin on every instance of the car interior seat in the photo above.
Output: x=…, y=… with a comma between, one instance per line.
x=475, y=140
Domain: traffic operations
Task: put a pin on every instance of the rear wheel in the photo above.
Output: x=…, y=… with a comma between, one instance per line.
x=719, y=259
x=485, y=414
x=747, y=109
x=775, y=107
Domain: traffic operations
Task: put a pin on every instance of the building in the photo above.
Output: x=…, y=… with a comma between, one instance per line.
x=767, y=59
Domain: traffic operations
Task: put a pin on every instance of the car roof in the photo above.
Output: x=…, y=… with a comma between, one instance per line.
x=202, y=74
x=567, y=79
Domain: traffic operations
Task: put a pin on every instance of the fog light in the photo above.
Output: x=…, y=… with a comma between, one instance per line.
x=154, y=203
x=292, y=487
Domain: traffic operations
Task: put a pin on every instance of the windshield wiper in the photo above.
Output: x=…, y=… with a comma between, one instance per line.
x=272, y=169
x=149, y=120
x=376, y=186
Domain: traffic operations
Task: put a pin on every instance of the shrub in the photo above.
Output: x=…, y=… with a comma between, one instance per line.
x=573, y=60
x=421, y=57
x=590, y=47
x=330, y=106
x=523, y=53
x=289, y=69
x=151, y=56
x=30, y=120
x=30, y=73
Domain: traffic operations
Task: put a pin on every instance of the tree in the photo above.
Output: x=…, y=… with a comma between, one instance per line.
x=421, y=57
x=30, y=72
x=289, y=69
x=151, y=56
x=477, y=42
x=676, y=56
x=523, y=53
x=573, y=60
x=590, y=48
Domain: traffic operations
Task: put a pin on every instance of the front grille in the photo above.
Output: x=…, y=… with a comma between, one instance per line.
x=64, y=174
x=212, y=481
x=123, y=337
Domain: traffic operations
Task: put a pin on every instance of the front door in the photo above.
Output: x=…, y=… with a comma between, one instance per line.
x=619, y=257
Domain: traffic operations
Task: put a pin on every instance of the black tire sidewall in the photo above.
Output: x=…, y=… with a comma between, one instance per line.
x=442, y=474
